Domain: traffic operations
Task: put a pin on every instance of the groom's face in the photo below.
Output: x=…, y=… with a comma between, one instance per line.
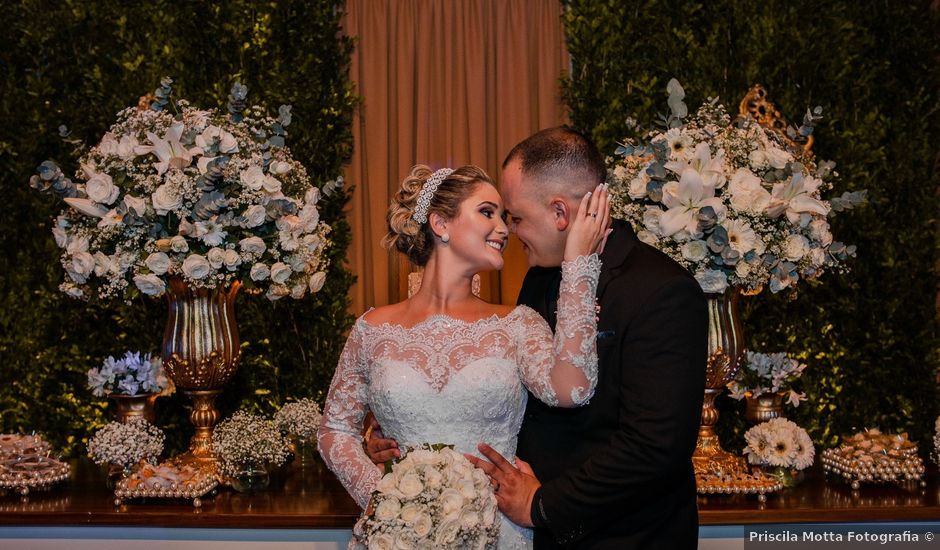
x=531, y=218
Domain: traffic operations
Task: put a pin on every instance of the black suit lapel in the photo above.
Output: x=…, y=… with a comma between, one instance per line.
x=619, y=245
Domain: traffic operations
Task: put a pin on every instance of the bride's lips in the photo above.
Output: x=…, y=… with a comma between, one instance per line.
x=496, y=244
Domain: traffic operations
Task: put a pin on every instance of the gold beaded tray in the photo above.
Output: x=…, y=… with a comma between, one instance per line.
x=25, y=464
x=166, y=480
x=873, y=457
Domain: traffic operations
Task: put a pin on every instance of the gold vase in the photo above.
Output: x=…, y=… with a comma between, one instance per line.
x=725, y=348
x=764, y=407
x=130, y=406
x=201, y=352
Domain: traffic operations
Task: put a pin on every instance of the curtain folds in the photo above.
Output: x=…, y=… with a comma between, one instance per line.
x=444, y=83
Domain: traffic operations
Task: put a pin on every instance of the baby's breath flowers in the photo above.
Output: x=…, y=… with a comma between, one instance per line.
x=299, y=419
x=245, y=439
x=126, y=444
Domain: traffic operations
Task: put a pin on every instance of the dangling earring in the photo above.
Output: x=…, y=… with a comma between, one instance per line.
x=445, y=238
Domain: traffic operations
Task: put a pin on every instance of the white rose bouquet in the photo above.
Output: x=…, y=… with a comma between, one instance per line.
x=432, y=497
x=779, y=443
x=735, y=203
x=200, y=195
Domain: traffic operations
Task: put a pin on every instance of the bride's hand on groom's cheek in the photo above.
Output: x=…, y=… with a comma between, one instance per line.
x=514, y=486
x=590, y=226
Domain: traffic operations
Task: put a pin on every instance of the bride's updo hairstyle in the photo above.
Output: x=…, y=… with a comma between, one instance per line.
x=409, y=230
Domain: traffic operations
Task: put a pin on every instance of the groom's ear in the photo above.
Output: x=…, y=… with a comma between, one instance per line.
x=560, y=213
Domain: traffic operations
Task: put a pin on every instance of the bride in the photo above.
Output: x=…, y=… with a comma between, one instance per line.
x=445, y=366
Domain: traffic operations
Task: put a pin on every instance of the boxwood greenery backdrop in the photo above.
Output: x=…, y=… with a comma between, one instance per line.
x=78, y=63
x=868, y=336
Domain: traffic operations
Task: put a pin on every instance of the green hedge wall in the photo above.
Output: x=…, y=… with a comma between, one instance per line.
x=869, y=336
x=77, y=63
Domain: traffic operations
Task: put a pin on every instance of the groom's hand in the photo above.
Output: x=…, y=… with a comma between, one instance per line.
x=515, y=487
x=379, y=449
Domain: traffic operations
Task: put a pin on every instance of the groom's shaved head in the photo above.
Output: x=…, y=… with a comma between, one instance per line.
x=559, y=159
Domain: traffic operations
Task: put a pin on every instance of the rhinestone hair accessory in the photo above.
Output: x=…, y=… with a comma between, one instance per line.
x=420, y=214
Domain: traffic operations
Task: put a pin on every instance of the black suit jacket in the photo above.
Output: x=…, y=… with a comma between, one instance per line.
x=617, y=473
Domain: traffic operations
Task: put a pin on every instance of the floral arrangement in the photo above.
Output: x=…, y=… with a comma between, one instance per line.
x=173, y=191
x=131, y=375
x=300, y=419
x=779, y=443
x=768, y=373
x=431, y=498
x=245, y=439
x=735, y=203
x=127, y=443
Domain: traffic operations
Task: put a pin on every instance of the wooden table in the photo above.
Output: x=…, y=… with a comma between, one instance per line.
x=313, y=500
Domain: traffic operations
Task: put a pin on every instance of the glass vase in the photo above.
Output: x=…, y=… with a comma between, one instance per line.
x=305, y=450
x=251, y=478
x=115, y=473
x=788, y=477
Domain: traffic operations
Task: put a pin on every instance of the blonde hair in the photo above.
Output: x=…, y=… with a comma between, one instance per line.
x=416, y=240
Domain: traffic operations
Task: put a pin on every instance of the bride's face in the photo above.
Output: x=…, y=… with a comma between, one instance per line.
x=478, y=233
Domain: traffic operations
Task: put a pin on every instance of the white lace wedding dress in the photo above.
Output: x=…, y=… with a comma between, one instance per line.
x=450, y=381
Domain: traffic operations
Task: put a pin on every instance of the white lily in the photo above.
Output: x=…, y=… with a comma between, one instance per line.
x=168, y=149
x=795, y=197
x=86, y=206
x=711, y=169
x=690, y=196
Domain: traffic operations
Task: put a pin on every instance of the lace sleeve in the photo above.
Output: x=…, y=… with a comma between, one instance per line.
x=339, y=437
x=562, y=371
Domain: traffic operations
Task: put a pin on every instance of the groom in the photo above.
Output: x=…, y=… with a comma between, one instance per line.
x=616, y=473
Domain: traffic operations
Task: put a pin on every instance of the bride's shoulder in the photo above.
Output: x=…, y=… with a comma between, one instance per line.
x=383, y=314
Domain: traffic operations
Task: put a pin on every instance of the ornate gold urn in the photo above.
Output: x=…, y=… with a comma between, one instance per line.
x=201, y=352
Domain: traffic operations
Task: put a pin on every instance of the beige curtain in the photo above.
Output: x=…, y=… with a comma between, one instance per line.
x=444, y=83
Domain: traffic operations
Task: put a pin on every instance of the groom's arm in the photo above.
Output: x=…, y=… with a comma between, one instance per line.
x=662, y=363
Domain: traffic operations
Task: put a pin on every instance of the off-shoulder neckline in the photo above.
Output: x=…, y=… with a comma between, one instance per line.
x=431, y=319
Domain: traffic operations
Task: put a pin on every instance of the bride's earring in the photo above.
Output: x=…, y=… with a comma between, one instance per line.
x=445, y=238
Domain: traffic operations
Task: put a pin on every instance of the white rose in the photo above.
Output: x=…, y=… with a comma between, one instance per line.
x=310, y=217
x=317, y=280
x=101, y=189
x=742, y=269
x=232, y=260
x=312, y=242
x=150, y=284
x=651, y=218
x=227, y=142
x=77, y=245
x=166, y=199
x=254, y=215
x=712, y=281
x=409, y=513
x=279, y=167
x=297, y=291
x=127, y=147
x=216, y=257
x=380, y=541
x=276, y=292
x=469, y=519
x=446, y=532
x=259, y=272
x=158, y=263
x=422, y=456
x=758, y=159
x=196, y=267
x=138, y=205
x=647, y=237
x=433, y=478
x=108, y=145
x=451, y=501
x=288, y=224
x=105, y=264
x=466, y=488
x=271, y=184
x=280, y=272
x=178, y=244
x=819, y=230
x=818, y=256
x=297, y=263
x=252, y=178
x=747, y=193
x=637, y=189
x=312, y=196
x=695, y=251
x=410, y=485
x=252, y=245
x=796, y=247
x=422, y=524
x=83, y=263
x=777, y=158
x=388, y=509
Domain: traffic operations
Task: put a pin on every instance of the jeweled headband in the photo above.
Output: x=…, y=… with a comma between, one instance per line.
x=420, y=214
